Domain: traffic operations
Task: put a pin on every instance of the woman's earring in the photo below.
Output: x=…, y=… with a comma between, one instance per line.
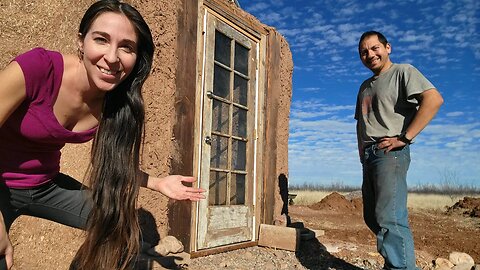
x=80, y=53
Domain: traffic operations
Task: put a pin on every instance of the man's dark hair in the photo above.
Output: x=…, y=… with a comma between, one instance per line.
x=380, y=36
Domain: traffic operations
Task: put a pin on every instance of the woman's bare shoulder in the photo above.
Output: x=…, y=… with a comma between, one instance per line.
x=12, y=89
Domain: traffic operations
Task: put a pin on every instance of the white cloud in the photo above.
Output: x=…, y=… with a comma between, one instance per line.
x=376, y=5
x=258, y=6
x=336, y=58
x=411, y=36
x=290, y=32
x=455, y=114
x=310, y=89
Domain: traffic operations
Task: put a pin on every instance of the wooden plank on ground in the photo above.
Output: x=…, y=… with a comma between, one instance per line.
x=279, y=237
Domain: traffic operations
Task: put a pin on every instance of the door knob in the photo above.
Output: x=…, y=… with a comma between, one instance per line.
x=208, y=140
x=209, y=94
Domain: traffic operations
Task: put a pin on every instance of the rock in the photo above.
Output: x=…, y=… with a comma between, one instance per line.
x=248, y=256
x=166, y=246
x=370, y=262
x=459, y=258
x=357, y=194
x=175, y=261
x=269, y=266
x=224, y=264
x=442, y=263
x=331, y=248
x=278, y=253
x=442, y=268
x=319, y=233
x=463, y=266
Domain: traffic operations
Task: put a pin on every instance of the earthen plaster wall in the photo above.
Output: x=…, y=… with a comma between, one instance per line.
x=286, y=73
x=25, y=24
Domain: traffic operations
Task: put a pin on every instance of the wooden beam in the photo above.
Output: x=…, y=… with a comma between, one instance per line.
x=179, y=214
x=211, y=251
x=272, y=96
x=237, y=16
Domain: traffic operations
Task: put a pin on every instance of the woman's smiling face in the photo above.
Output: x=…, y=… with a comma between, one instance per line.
x=109, y=50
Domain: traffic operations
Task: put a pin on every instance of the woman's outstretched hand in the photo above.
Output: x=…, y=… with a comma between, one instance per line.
x=173, y=187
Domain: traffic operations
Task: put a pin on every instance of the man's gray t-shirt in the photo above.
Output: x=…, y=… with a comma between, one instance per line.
x=386, y=104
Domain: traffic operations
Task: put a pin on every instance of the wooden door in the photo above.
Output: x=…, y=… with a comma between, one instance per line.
x=228, y=138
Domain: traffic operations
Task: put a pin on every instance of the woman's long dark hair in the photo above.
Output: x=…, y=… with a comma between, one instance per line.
x=112, y=233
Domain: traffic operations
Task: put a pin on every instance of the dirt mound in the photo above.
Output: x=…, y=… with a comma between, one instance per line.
x=338, y=202
x=468, y=206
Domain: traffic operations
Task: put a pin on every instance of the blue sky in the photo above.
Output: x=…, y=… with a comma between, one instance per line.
x=440, y=38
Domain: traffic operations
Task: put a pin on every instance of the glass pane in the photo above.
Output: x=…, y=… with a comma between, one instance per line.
x=239, y=153
x=217, y=191
x=219, y=152
x=220, y=117
x=240, y=90
x=241, y=59
x=222, y=48
x=221, y=82
x=237, y=190
x=239, y=122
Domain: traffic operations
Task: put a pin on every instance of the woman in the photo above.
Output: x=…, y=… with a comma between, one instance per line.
x=48, y=99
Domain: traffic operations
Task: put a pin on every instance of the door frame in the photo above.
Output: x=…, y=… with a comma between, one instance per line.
x=259, y=131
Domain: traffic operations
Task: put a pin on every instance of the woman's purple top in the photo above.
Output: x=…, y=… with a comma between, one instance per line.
x=31, y=138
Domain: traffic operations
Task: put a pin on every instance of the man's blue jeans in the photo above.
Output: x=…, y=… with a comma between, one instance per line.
x=385, y=211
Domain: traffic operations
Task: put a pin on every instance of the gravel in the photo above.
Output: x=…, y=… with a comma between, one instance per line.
x=311, y=255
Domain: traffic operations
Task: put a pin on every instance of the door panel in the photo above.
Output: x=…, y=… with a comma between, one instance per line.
x=228, y=140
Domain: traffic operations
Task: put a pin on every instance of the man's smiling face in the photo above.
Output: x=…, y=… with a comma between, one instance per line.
x=375, y=55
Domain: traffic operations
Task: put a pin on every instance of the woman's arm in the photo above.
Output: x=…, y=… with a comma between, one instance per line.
x=172, y=186
x=6, y=248
x=12, y=90
x=12, y=94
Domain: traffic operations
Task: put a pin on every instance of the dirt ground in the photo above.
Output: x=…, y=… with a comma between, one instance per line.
x=346, y=243
x=436, y=233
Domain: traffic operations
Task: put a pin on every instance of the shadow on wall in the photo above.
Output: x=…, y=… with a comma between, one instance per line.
x=150, y=238
x=283, y=187
x=148, y=227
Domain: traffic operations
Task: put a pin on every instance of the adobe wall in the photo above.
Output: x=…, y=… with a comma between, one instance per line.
x=284, y=101
x=53, y=24
x=26, y=24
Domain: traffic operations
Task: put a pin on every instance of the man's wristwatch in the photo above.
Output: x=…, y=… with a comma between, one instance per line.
x=403, y=138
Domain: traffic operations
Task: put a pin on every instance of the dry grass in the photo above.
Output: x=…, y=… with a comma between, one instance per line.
x=307, y=197
x=433, y=201
x=415, y=200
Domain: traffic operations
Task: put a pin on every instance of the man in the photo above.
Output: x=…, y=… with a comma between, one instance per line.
x=393, y=106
